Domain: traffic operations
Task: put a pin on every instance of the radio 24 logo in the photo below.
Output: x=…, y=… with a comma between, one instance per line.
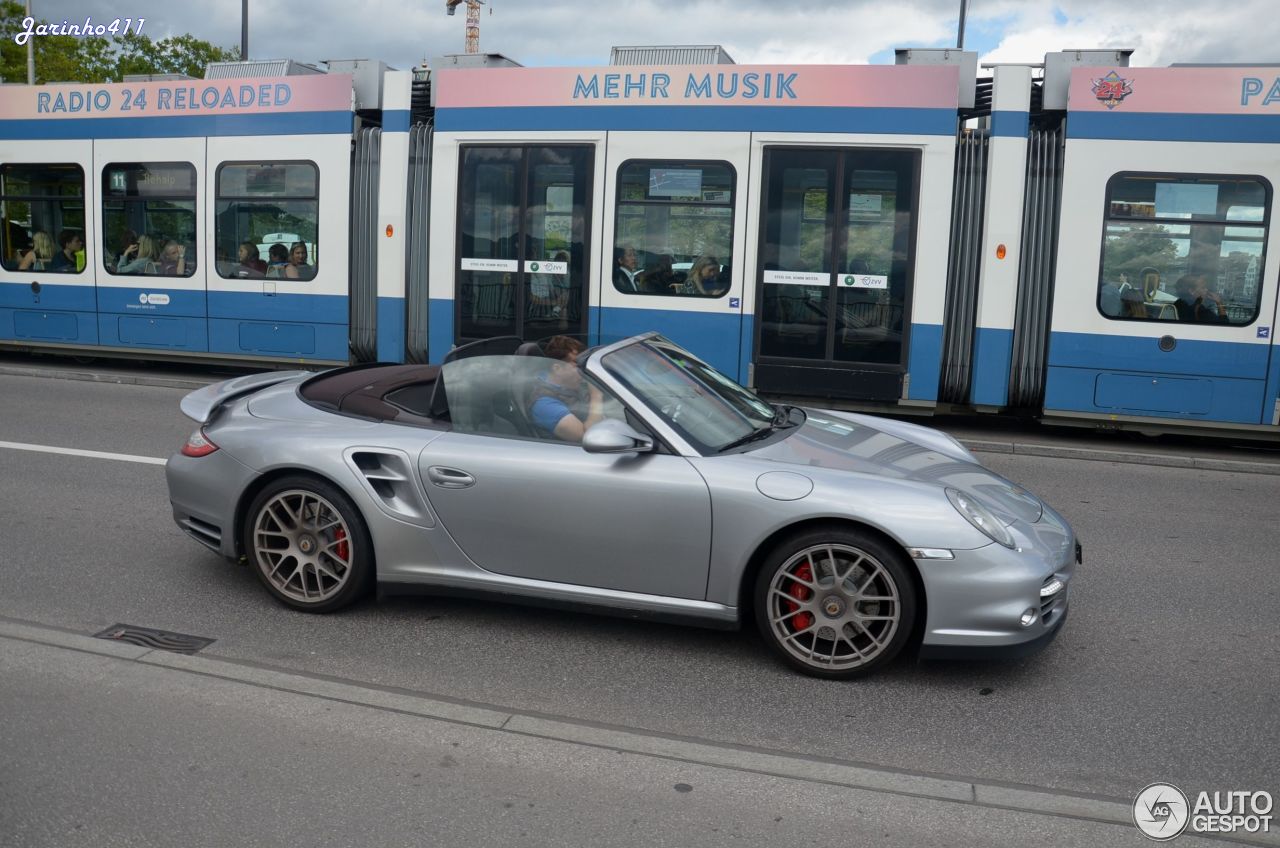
x=1162, y=812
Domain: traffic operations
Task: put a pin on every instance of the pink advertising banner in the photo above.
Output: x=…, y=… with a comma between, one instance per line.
x=246, y=96
x=882, y=86
x=1203, y=91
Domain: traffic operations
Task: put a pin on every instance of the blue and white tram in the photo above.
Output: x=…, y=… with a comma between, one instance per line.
x=1090, y=244
x=1165, y=302
x=125, y=209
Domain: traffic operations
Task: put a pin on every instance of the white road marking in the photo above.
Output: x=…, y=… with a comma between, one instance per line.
x=119, y=457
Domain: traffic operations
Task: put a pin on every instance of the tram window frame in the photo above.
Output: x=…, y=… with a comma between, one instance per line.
x=1164, y=313
x=12, y=265
x=219, y=198
x=620, y=241
x=112, y=201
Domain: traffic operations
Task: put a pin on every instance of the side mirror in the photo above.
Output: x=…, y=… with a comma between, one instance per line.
x=614, y=436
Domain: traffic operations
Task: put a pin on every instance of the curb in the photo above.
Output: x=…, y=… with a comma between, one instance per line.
x=95, y=377
x=1035, y=800
x=1238, y=466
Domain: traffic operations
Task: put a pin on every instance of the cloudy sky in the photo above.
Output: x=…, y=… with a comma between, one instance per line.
x=580, y=32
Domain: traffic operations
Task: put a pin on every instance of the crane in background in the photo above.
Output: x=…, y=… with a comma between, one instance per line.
x=473, y=21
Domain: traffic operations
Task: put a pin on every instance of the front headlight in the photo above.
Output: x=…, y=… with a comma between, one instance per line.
x=979, y=516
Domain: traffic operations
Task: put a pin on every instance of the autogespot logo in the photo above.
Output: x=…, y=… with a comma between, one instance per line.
x=1160, y=811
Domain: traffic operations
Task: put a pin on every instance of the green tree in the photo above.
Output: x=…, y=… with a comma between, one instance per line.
x=68, y=58
x=1131, y=248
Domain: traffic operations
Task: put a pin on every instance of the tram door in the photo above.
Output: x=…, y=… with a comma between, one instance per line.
x=523, y=221
x=835, y=272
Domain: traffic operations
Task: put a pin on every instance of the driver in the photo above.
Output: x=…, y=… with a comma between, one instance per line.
x=557, y=388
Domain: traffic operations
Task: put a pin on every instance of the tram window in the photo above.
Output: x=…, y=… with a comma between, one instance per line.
x=42, y=218
x=149, y=218
x=1180, y=247
x=267, y=223
x=674, y=228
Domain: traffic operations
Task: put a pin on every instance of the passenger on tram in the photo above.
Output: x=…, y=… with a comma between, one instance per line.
x=702, y=279
x=173, y=260
x=549, y=293
x=625, y=276
x=251, y=265
x=660, y=275
x=40, y=256
x=138, y=258
x=277, y=260
x=65, y=259
x=298, y=268
x=1193, y=302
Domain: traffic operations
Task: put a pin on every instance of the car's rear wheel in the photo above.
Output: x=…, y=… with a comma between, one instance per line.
x=308, y=544
x=835, y=602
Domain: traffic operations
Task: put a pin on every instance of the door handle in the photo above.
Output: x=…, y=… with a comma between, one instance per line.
x=450, y=478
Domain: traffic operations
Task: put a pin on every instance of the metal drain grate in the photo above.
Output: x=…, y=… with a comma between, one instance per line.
x=161, y=640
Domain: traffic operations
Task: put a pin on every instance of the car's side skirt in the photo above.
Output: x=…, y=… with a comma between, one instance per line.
x=566, y=596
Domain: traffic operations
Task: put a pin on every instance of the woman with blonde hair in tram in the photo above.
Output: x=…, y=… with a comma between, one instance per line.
x=702, y=277
x=140, y=258
x=41, y=253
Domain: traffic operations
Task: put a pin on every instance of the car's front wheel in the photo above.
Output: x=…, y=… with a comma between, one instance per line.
x=308, y=544
x=835, y=602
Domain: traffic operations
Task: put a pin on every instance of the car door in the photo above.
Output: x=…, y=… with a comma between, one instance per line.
x=551, y=511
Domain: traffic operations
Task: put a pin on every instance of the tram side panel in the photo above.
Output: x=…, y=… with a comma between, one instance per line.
x=1166, y=282
x=148, y=254
x=46, y=191
x=677, y=203
x=392, y=191
x=281, y=195
x=998, y=283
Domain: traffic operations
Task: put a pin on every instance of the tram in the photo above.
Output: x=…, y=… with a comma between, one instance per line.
x=1084, y=239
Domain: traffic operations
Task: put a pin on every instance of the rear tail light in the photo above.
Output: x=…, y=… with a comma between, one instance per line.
x=198, y=444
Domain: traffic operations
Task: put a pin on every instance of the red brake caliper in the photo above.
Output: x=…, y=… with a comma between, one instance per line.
x=804, y=620
x=344, y=547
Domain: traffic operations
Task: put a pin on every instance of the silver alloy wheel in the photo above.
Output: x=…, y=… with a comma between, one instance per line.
x=303, y=546
x=834, y=607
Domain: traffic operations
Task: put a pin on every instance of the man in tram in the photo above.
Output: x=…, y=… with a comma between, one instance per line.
x=624, y=269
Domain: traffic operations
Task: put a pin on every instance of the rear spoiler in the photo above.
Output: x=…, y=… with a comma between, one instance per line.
x=200, y=404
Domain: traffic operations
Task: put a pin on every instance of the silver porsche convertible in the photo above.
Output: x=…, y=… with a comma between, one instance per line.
x=631, y=478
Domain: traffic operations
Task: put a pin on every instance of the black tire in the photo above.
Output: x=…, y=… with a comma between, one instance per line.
x=858, y=640
x=320, y=563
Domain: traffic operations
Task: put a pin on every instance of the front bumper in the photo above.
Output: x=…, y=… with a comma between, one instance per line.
x=977, y=601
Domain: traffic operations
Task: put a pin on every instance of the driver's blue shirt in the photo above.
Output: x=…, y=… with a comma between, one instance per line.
x=549, y=409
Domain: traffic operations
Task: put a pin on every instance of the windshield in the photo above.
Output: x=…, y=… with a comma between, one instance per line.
x=705, y=407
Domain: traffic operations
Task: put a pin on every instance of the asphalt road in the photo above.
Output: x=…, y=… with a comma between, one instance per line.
x=1166, y=671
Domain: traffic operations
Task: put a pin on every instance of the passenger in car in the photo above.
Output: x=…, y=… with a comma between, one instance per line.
x=557, y=389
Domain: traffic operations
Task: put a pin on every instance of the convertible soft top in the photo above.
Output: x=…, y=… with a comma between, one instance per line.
x=408, y=394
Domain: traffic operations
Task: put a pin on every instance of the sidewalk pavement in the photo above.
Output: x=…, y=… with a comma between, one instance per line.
x=981, y=434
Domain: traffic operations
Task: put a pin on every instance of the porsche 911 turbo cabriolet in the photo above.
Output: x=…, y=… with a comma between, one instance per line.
x=631, y=478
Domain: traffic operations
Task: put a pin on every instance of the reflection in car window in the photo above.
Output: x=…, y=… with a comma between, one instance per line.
x=708, y=409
